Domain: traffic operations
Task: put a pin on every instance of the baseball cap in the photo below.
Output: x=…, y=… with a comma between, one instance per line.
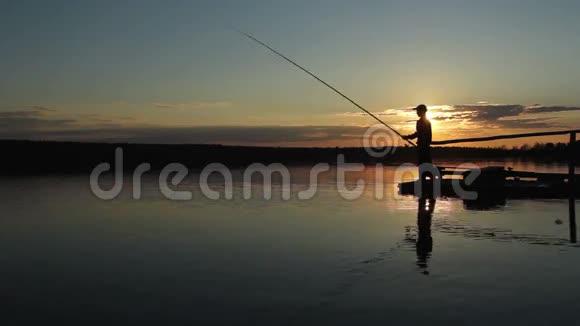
x=420, y=107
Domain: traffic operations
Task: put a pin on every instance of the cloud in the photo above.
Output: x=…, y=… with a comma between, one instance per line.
x=463, y=119
x=19, y=114
x=43, y=108
x=30, y=120
x=536, y=123
x=98, y=118
x=25, y=122
x=248, y=134
x=549, y=109
x=193, y=105
x=517, y=116
x=40, y=123
x=241, y=135
x=387, y=112
x=487, y=112
x=485, y=115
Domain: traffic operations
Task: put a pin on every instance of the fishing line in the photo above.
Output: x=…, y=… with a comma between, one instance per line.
x=326, y=84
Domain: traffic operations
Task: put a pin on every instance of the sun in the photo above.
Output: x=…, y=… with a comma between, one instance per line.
x=435, y=123
x=429, y=114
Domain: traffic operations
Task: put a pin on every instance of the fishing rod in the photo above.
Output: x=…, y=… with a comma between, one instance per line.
x=326, y=84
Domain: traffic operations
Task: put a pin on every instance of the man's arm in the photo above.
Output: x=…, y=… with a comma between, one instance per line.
x=413, y=135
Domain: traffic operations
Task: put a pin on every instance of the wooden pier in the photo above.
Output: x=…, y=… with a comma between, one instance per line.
x=497, y=183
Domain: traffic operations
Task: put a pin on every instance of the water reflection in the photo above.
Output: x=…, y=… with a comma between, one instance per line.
x=424, y=245
x=485, y=202
x=420, y=237
x=498, y=201
x=424, y=240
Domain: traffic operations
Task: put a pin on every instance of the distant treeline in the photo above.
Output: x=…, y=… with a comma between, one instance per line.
x=38, y=157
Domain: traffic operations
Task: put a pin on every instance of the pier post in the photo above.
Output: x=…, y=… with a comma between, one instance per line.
x=571, y=181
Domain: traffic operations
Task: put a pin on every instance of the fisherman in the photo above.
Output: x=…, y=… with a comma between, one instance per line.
x=427, y=171
x=423, y=135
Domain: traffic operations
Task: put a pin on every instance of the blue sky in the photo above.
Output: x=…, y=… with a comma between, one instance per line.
x=155, y=64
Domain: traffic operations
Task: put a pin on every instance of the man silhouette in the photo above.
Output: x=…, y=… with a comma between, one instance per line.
x=423, y=135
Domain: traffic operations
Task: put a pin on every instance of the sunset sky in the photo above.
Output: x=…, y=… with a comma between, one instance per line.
x=177, y=72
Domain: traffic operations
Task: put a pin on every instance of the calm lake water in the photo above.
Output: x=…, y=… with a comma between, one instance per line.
x=67, y=255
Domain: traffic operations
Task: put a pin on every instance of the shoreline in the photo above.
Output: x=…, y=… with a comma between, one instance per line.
x=22, y=157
